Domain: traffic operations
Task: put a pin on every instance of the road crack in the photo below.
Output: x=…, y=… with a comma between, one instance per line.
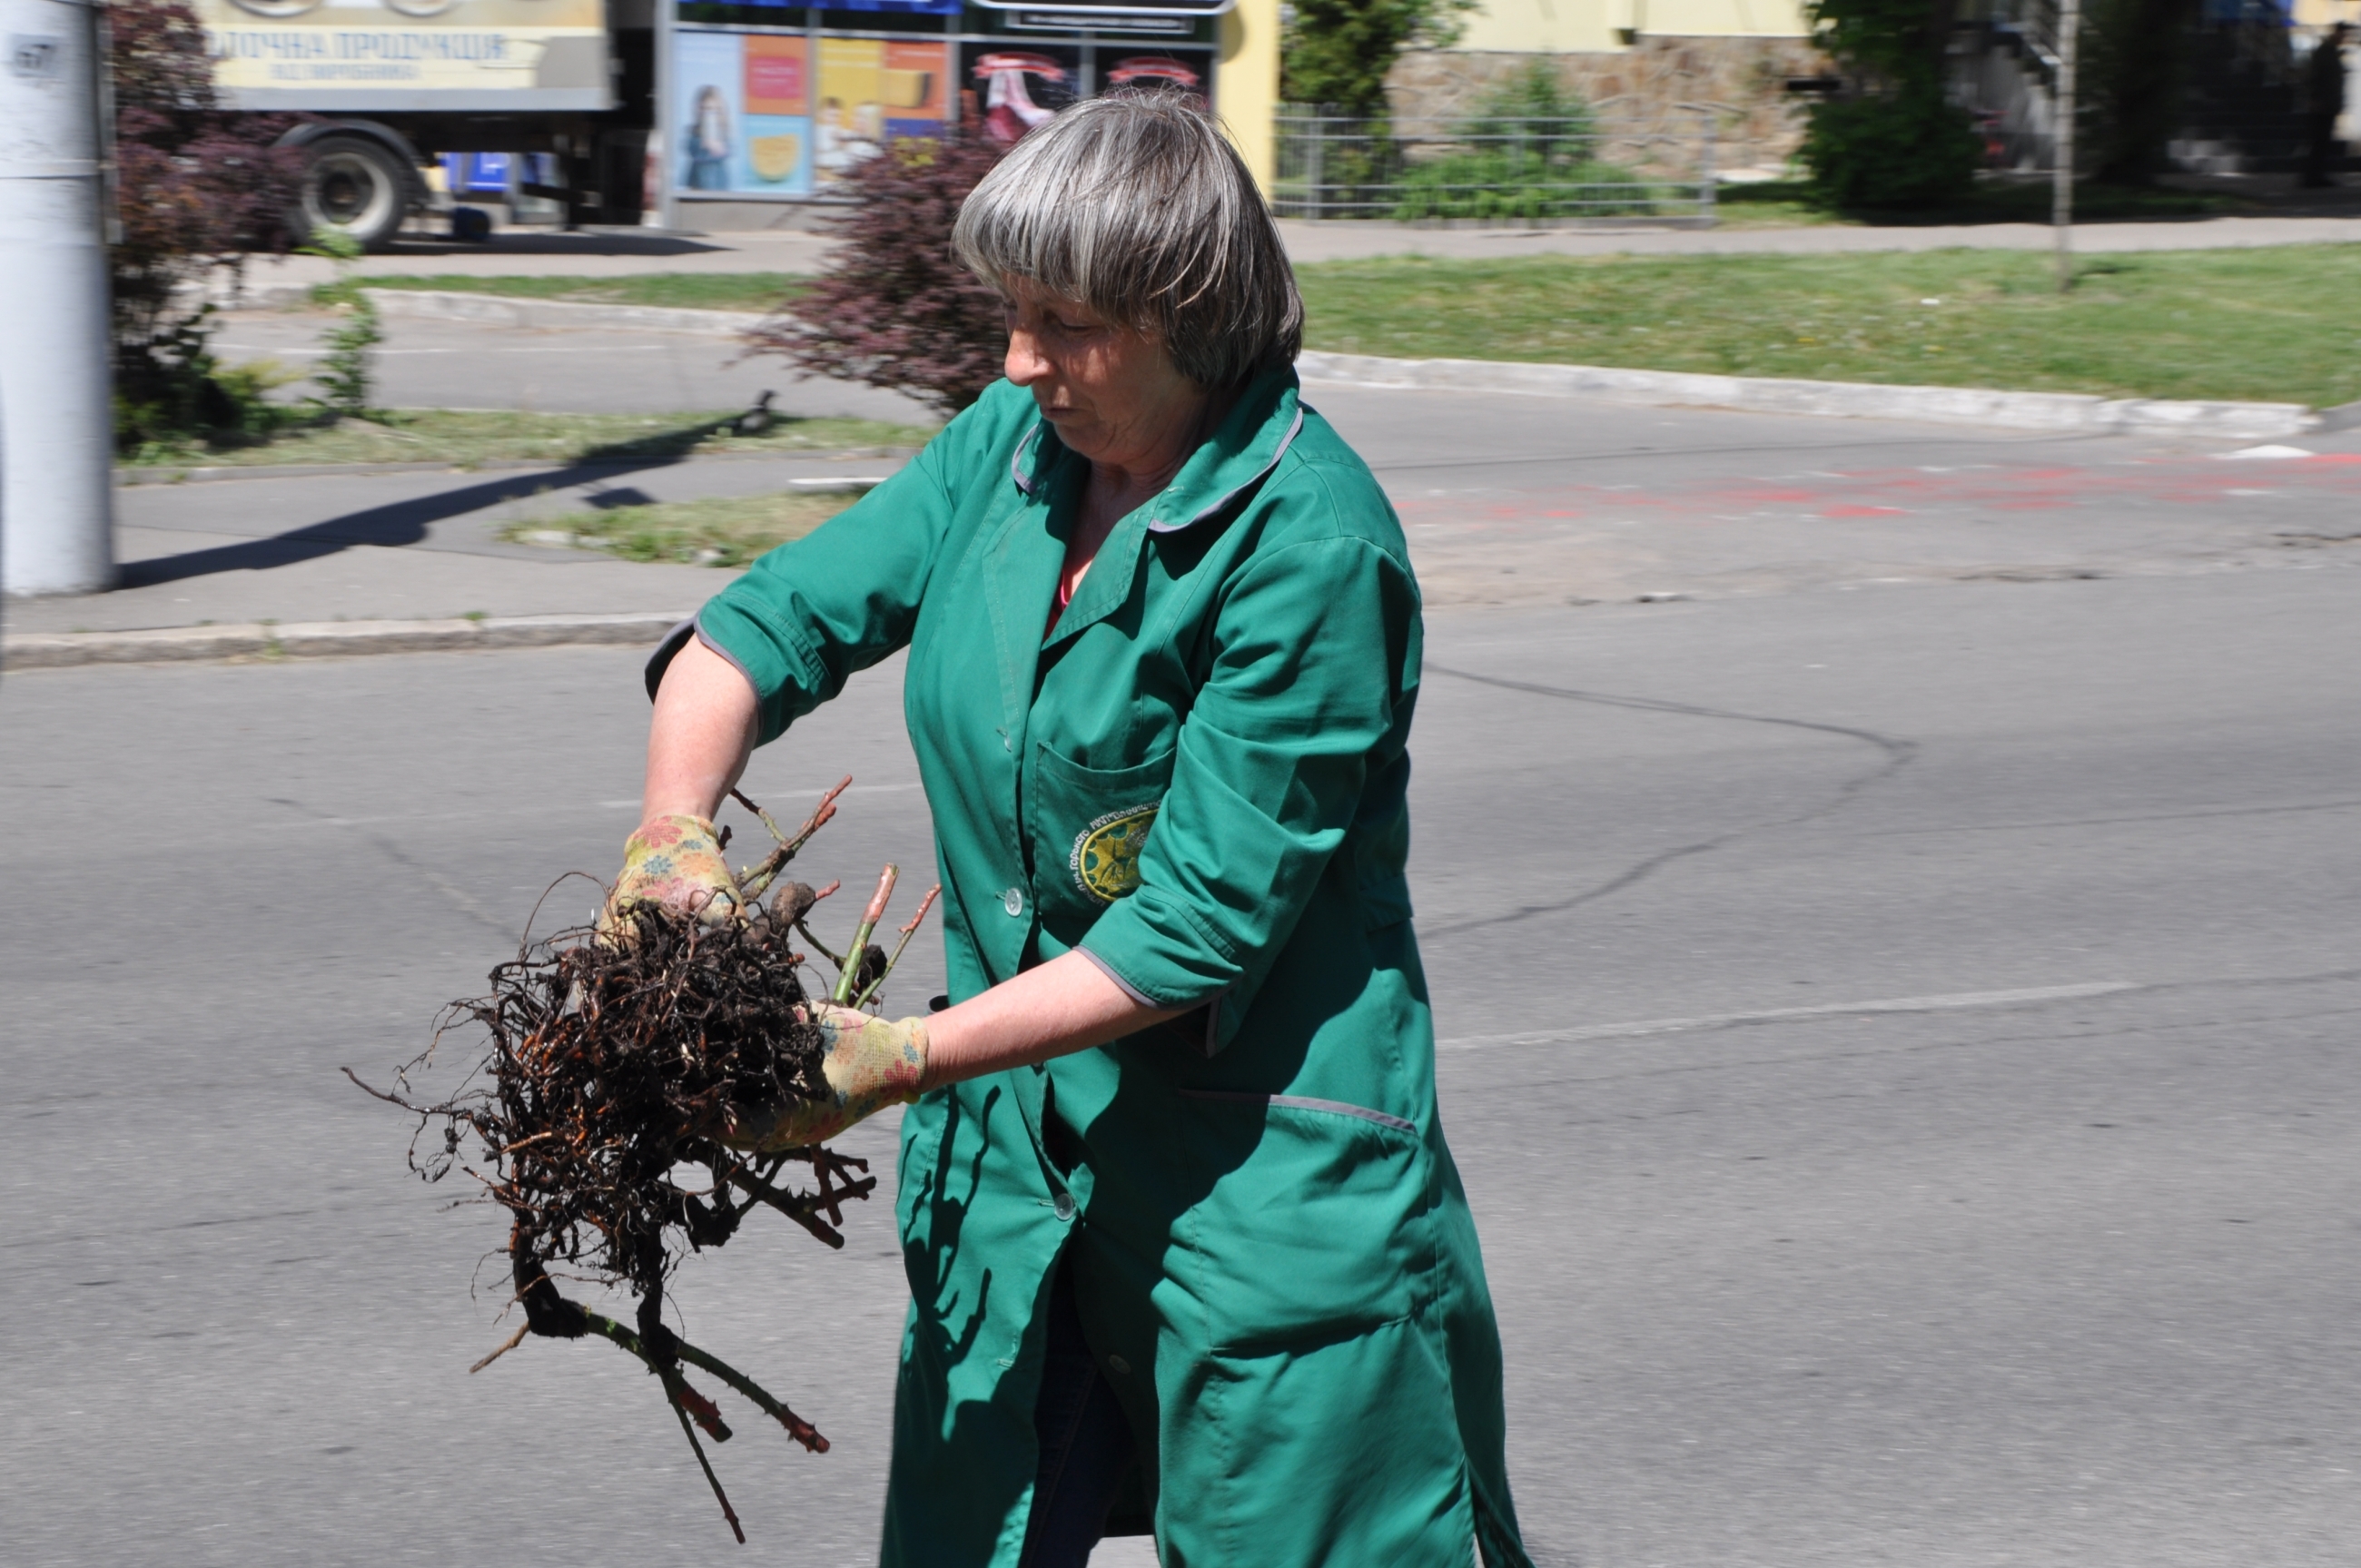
x=1896, y=755
x=392, y=851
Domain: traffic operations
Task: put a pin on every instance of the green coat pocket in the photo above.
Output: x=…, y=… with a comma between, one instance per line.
x=1317, y=1221
x=1089, y=827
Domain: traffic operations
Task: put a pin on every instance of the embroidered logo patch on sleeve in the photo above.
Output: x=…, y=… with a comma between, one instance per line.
x=1105, y=861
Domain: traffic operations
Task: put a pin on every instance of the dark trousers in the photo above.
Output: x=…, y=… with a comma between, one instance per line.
x=2320, y=152
x=1086, y=1446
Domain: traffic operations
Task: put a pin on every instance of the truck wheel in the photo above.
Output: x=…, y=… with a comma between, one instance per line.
x=355, y=186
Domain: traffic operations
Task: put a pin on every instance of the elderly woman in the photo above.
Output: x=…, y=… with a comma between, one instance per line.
x=1185, y=1245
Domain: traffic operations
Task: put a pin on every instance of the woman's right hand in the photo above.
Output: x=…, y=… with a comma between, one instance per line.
x=870, y=1063
x=676, y=862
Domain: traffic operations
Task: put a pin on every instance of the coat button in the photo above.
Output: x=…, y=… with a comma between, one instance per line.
x=1119, y=1365
x=1013, y=901
x=1063, y=1206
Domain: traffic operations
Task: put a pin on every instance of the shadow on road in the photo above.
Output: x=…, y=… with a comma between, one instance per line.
x=570, y=243
x=400, y=523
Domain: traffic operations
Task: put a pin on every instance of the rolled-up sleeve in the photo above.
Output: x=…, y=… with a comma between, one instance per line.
x=803, y=617
x=1314, y=647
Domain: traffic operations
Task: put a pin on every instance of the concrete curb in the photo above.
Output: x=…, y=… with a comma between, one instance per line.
x=326, y=638
x=500, y=309
x=1839, y=400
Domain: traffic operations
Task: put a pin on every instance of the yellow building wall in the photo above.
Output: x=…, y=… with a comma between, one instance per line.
x=1544, y=27
x=1246, y=84
x=1589, y=26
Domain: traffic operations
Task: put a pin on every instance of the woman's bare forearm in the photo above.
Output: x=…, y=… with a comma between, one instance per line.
x=701, y=736
x=1066, y=1005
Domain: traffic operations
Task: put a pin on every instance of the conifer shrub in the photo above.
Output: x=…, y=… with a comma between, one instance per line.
x=1891, y=138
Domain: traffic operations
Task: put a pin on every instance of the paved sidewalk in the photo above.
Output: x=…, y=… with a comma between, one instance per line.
x=615, y=253
x=405, y=546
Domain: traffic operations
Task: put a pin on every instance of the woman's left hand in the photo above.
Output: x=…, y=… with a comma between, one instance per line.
x=870, y=1063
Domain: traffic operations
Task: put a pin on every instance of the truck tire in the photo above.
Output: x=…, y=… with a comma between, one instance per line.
x=355, y=185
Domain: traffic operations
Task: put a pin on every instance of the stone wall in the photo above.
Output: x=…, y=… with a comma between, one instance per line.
x=1745, y=79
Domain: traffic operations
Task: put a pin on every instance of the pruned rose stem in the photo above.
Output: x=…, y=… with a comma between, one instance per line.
x=754, y=882
x=907, y=931
x=710, y=1478
x=506, y=1345
x=848, y=968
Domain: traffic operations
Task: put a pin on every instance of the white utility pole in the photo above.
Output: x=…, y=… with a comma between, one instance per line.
x=56, y=416
x=660, y=204
x=2062, y=200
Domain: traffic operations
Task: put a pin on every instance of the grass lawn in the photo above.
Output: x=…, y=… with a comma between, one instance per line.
x=2276, y=324
x=762, y=291
x=721, y=530
x=463, y=437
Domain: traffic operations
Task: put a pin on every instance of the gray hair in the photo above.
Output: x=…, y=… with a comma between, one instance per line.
x=1135, y=206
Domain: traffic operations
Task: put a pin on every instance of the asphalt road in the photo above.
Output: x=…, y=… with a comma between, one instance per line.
x=1898, y=1040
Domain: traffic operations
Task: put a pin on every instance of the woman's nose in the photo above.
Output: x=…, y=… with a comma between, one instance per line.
x=1025, y=364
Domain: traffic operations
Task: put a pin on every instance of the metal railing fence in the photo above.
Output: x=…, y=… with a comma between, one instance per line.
x=1614, y=158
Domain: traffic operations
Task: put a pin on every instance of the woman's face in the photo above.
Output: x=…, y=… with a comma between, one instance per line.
x=1111, y=391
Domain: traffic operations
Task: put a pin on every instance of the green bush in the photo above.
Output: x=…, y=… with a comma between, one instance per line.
x=1507, y=184
x=193, y=399
x=1908, y=150
x=1533, y=156
x=1334, y=54
x=1891, y=140
x=347, y=372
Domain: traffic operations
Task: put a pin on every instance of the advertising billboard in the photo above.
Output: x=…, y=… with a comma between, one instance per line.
x=871, y=91
x=393, y=55
x=762, y=112
x=1017, y=87
x=1141, y=70
x=1017, y=84
x=760, y=116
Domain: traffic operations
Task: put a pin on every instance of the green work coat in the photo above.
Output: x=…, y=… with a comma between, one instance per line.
x=1196, y=775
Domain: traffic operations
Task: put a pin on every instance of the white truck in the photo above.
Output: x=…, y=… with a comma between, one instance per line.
x=381, y=88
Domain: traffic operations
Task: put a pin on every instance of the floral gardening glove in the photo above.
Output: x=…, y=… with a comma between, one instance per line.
x=676, y=862
x=871, y=1064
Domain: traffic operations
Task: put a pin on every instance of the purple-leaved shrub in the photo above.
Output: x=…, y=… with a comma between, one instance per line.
x=896, y=309
x=197, y=188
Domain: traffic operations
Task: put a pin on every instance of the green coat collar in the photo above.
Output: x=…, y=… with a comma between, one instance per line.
x=1252, y=437
x=1248, y=446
